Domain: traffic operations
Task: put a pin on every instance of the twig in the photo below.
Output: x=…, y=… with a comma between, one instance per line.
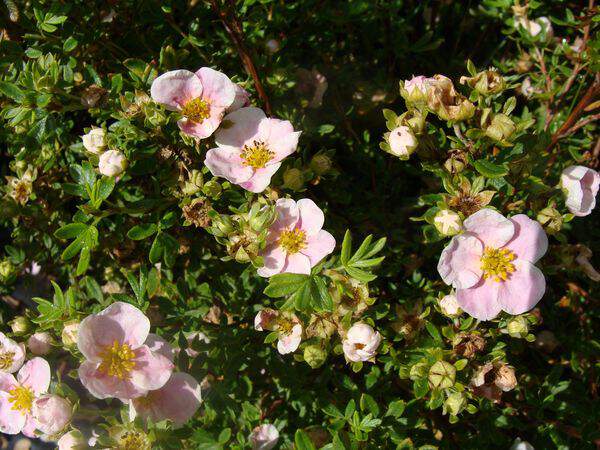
x=582, y=123
x=235, y=31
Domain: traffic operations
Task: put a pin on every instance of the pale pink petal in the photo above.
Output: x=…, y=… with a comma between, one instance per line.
x=175, y=88
x=7, y=382
x=311, y=217
x=491, y=227
x=297, y=263
x=288, y=343
x=158, y=345
x=481, y=300
x=226, y=162
x=151, y=371
x=273, y=259
x=30, y=427
x=287, y=215
x=12, y=421
x=265, y=319
x=35, y=374
x=523, y=290
x=218, y=89
x=279, y=136
x=203, y=129
x=240, y=127
x=460, y=262
x=318, y=247
x=530, y=242
x=261, y=178
x=103, y=386
x=16, y=351
x=242, y=98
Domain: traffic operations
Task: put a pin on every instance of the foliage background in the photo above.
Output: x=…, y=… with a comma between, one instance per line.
x=363, y=48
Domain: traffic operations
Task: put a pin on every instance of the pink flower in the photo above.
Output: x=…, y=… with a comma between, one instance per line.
x=51, y=414
x=581, y=186
x=73, y=440
x=119, y=362
x=202, y=98
x=242, y=98
x=288, y=326
x=361, y=342
x=40, y=344
x=296, y=241
x=250, y=148
x=12, y=355
x=491, y=264
x=18, y=395
x=264, y=437
x=178, y=400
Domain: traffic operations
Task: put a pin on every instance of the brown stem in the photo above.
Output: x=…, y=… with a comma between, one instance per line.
x=582, y=123
x=234, y=29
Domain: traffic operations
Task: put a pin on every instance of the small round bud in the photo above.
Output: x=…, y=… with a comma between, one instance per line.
x=501, y=128
x=315, y=355
x=212, y=188
x=449, y=306
x=442, y=375
x=447, y=222
x=517, y=327
x=20, y=325
x=95, y=140
x=40, y=344
x=320, y=164
x=112, y=163
x=414, y=91
x=455, y=403
x=293, y=179
x=70, y=333
x=402, y=142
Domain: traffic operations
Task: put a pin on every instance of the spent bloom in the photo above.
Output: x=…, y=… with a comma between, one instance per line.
x=402, y=141
x=12, y=355
x=250, y=148
x=264, y=437
x=202, y=98
x=296, y=241
x=287, y=325
x=580, y=185
x=112, y=163
x=361, y=342
x=17, y=396
x=119, y=362
x=94, y=140
x=491, y=264
x=51, y=414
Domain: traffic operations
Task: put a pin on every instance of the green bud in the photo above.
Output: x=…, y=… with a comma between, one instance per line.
x=517, y=327
x=20, y=325
x=501, y=128
x=212, y=188
x=293, y=179
x=320, y=164
x=442, y=375
x=194, y=183
x=7, y=271
x=315, y=355
x=487, y=82
x=447, y=222
x=455, y=403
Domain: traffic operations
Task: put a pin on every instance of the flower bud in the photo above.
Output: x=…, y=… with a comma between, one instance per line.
x=95, y=140
x=501, y=128
x=517, y=327
x=40, y=343
x=51, y=413
x=293, y=179
x=73, y=440
x=315, y=355
x=212, y=188
x=449, y=306
x=272, y=46
x=70, y=333
x=455, y=403
x=551, y=219
x=414, y=91
x=402, y=142
x=194, y=183
x=456, y=163
x=7, y=270
x=580, y=185
x=487, y=82
x=264, y=437
x=442, y=375
x=20, y=325
x=112, y=163
x=539, y=29
x=320, y=164
x=447, y=222
x=518, y=444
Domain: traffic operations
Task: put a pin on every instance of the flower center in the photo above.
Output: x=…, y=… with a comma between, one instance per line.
x=21, y=398
x=292, y=241
x=256, y=155
x=497, y=263
x=133, y=440
x=196, y=110
x=117, y=360
x=6, y=360
x=285, y=325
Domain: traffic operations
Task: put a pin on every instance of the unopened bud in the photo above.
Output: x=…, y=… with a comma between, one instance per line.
x=414, y=91
x=320, y=164
x=455, y=403
x=112, y=163
x=40, y=343
x=447, y=222
x=20, y=325
x=517, y=327
x=456, y=163
x=442, y=375
x=293, y=179
x=70, y=333
x=314, y=355
x=501, y=128
x=95, y=140
x=402, y=142
x=487, y=82
x=449, y=306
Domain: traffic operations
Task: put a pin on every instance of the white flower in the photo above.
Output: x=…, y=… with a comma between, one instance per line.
x=361, y=342
x=535, y=26
x=112, y=163
x=581, y=186
x=402, y=141
x=95, y=140
x=288, y=327
x=447, y=222
x=264, y=437
x=449, y=305
x=518, y=444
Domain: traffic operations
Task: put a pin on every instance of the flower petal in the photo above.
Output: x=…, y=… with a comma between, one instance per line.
x=280, y=137
x=311, y=216
x=103, y=386
x=287, y=215
x=481, y=300
x=289, y=343
x=226, y=162
x=12, y=421
x=242, y=98
x=158, y=345
x=8, y=347
x=318, y=247
x=35, y=374
x=523, y=290
x=297, y=263
x=530, y=242
x=274, y=261
x=460, y=262
x=7, y=382
x=240, y=127
x=173, y=89
x=491, y=227
x=261, y=178
x=152, y=370
x=218, y=89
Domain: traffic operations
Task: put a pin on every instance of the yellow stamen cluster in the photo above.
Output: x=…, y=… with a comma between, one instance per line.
x=134, y=440
x=117, y=360
x=497, y=263
x=196, y=110
x=292, y=241
x=6, y=360
x=256, y=155
x=21, y=398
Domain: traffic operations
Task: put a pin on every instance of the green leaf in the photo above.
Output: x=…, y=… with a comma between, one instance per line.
x=346, y=248
x=321, y=299
x=70, y=44
x=302, y=441
x=489, y=169
x=70, y=231
x=285, y=284
x=396, y=408
x=142, y=231
x=12, y=91
x=84, y=260
x=157, y=249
